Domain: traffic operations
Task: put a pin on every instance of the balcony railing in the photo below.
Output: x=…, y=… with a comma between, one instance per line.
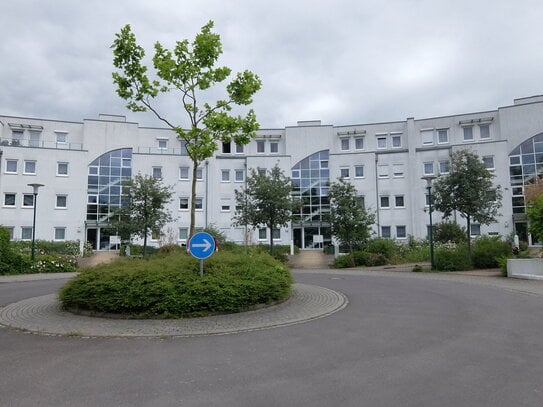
x=40, y=144
x=161, y=151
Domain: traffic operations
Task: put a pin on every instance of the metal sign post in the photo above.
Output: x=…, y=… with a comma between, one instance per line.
x=201, y=245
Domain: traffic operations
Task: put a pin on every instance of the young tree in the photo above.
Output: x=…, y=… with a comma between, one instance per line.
x=266, y=200
x=468, y=189
x=189, y=69
x=535, y=216
x=349, y=220
x=145, y=211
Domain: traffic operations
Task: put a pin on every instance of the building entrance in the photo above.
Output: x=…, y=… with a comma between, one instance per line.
x=311, y=237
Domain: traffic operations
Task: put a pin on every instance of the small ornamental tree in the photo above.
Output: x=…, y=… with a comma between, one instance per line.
x=468, y=189
x=189, y=70
x=349, y=220
x=266, y=200
x=145, y=211
x=535, y=217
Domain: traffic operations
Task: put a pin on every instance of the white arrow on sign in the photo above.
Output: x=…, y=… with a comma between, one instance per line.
x=206, y=245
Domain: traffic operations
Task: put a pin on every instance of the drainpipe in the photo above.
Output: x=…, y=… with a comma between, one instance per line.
x=377, y=195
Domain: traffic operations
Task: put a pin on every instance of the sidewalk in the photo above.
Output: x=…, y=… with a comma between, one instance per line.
x=34, y=277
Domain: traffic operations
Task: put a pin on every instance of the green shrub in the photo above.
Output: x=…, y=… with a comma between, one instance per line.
x=11, y=260
x=170, y=285
x=343, y=261
x=136, y=249
x=54, y=263
x=446, y=232
x=486, y=250
x=413, y=251
x=452, y=258
x=386, y=247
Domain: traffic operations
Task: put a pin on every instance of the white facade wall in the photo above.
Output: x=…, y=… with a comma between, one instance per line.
x=383, y=160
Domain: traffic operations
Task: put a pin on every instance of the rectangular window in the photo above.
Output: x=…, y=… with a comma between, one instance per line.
x=401, y=232
x=162, y=143
x=468, y=133
x=9, y=199
x=239, y=175
x=155, y=234
x=199, y=203
x=381, y=142
x=444, y=167
x=382, y=171
x=429, y=168
x=362, y=201
x=261, y=171
x=17, y=137
x=443, y=136
x=384, y=202
x=11, y=166
x=262, y=234
x=274, y=147
x=225, y=205
x=157, y=172
x=61, y=202
x=29, y=167
x=28, y=200
x=398, y=170
x=344, y=172
x=239, y=149
x=10, y=230
x=489, y=162
x=26, y=233
x=62, y=169
x=260, y=146
x=225, y=175
x=60, y=233
x=475, y=229
x=183, y=233
x=484, y=131
x=34, y=139
x=184, y=173
x=359, y=143
x=396, y=141
x=226, y=147
x=183, y=203
x=359, y=171
x=61, y=137
x=427, y=137
x=199, y=174
x=345, y=144
x=385, y=232
x=399, y=201
x=276, y=234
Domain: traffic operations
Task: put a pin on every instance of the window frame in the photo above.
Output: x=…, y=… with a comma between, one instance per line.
x=181, y=206
x=396, y=197
x=65, y=201
x=260, y=147
x=344, y=172
x=6, y=194
x=404, y=235
x=439, y=132
x=487, y=127
x=236, y=173
x=26, y=229
x=465, y=131
x=225, y=175
x=25, y=169
x=387, y=235
x=345, y=143
x=274, y=147
x=24, y=202
x=384, y=201
x=183, y=169
x=357, y=167
x=379, y=138
x=356, y=143
x=6, y=169
x=62, y=163
x=161, y=140
x=159, y=169
x=394, y=137
x=58, y=229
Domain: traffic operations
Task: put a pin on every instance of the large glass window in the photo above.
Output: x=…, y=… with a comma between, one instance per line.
x=310, y=183
x=106, y=189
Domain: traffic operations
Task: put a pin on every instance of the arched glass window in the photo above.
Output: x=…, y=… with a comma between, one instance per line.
x=311, y=181
x=106, y=177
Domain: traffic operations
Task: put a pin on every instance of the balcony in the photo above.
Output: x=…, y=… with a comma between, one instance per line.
x=13, y=142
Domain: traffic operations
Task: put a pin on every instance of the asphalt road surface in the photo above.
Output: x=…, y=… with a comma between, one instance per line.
x=400, y=342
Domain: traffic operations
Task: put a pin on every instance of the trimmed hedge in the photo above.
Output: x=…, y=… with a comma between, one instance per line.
x=169, y=285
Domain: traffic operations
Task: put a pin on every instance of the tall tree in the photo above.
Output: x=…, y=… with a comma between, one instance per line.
x=349, y=220
x=189, y=70
x=468, y=189
x=266, y=200
x=145, y=211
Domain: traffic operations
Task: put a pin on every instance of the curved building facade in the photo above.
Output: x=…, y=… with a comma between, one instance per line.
x=82, y=164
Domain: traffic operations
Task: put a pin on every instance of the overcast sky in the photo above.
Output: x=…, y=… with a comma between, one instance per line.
x=340, y=61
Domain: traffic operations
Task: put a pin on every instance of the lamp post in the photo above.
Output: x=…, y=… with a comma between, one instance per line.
x=429, y=179
x=35, y=188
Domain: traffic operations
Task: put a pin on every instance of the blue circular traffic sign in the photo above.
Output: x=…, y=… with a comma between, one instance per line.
x=201, y=245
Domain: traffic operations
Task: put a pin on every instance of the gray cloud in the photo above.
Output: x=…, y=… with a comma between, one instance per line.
x=343, y=62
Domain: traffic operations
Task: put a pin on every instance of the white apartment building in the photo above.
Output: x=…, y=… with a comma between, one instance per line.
x=81, y=166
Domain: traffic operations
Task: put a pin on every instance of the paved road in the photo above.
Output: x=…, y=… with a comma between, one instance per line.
x=402, y=341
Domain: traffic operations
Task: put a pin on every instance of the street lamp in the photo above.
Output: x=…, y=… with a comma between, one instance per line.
x=35, y=188
x=429, y=179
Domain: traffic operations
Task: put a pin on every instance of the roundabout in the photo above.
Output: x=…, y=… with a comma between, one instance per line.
x=43, y=315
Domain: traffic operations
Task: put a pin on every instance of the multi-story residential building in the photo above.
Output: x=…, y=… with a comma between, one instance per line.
x=82, y=164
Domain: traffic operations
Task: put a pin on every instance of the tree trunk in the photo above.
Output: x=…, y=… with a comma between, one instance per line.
x=145, y=245
x=468, y=219
x=271, y=239
x=193, y=197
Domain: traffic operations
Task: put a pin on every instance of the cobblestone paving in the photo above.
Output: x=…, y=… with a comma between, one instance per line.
x=43, y=315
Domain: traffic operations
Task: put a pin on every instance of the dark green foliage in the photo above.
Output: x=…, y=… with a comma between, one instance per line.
x=11, y=261
x=447, y=232
x=170, y=286
x=535, y=215
x=452, y=258
x=137, y=250
x=344, y=261
x=487, y=250
x=360, y=258
x=386, y=247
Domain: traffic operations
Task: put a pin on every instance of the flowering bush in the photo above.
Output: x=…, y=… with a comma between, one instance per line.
x=54, y=263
